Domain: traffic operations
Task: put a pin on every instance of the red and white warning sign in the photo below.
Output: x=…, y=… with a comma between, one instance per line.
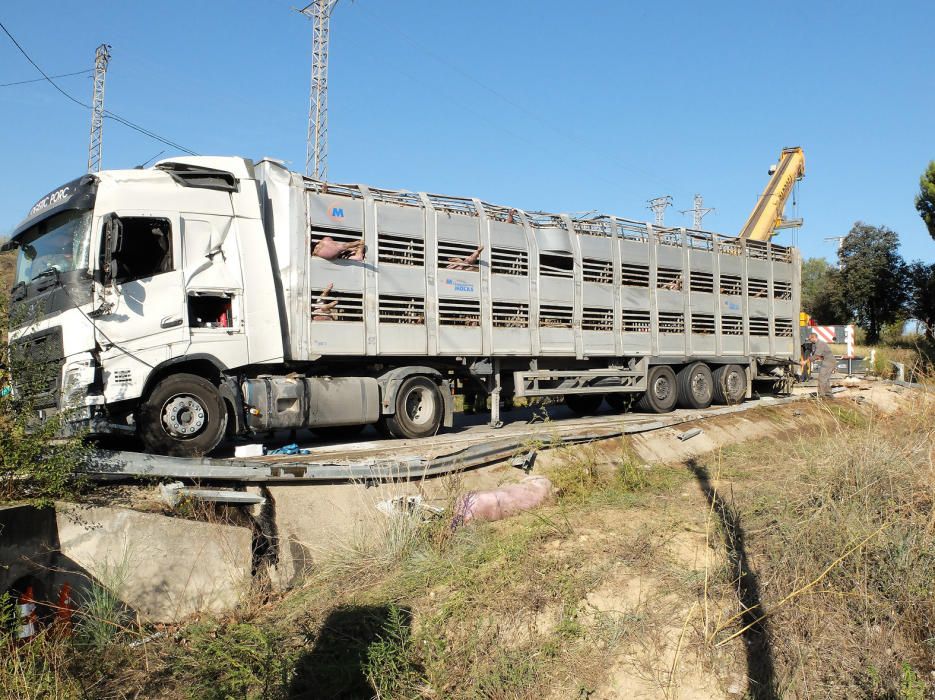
x=826, y=333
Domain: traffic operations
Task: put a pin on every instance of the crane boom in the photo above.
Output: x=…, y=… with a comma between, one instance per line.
x=767, y=216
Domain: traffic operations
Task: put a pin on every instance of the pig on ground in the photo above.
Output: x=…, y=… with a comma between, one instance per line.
x=502, y=502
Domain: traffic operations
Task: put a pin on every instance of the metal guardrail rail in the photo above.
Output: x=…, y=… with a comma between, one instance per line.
x=107, y=464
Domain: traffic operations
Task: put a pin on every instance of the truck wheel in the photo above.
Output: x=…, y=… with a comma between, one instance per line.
x=184, y=416
x=419, y=409
x=696, y=387
x=730, y=384
x=661, y=393
x=584, y=404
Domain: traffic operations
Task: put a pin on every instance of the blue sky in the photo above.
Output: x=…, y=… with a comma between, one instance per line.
x=523, y=103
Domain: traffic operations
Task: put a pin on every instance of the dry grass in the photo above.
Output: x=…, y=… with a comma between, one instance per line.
x=630, y=583
x=840, y=535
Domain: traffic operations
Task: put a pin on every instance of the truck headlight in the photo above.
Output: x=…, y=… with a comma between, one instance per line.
x=79, y=373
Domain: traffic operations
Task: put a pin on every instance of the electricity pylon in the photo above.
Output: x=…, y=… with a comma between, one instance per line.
x=316, y=142
x=96, y=145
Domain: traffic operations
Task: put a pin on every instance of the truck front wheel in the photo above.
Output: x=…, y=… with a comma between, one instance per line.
x=661, y=393
x=419, y=409
x=184, y=416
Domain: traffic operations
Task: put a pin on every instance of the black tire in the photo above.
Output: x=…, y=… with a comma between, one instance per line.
x=183, y=416
x=584, y=404
x=661, y=391
x=419, y=409
x=619, y=401
x=730, y=384
x=695, y=386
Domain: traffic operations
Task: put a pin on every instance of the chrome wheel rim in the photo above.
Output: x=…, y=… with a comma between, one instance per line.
x=183, y=416
x=420, y=408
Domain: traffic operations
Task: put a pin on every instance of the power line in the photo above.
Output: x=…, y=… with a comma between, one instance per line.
x=42, y=80
x=107, y=113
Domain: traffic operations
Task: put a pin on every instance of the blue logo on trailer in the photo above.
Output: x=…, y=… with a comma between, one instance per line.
x=337, y=213
x=460, y=285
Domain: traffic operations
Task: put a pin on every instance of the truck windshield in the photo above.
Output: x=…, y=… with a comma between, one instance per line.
x=61, y=242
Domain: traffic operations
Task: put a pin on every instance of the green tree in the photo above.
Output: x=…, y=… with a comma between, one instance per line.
x=921, y=305
x=873, y=277
x=822, y=297
x=925, y=200
x=37, y=461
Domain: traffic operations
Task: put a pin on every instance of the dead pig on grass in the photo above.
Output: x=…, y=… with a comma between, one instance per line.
x=503, y=502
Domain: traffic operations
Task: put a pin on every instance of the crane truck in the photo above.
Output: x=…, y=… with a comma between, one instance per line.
x=207, y=297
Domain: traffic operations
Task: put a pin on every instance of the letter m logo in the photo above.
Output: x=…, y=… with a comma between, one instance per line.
x=337, y=213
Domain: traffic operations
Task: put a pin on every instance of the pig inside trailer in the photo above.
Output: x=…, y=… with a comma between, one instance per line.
x=207, y=297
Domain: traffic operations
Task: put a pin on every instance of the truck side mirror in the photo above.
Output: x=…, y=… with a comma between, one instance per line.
x=112, y=247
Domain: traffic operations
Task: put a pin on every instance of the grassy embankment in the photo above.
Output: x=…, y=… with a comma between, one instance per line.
x=796, y=566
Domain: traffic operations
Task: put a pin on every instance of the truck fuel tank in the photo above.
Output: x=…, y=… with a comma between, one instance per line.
x=275, y=403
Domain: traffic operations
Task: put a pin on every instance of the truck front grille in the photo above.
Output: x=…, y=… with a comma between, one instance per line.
x=36, y=364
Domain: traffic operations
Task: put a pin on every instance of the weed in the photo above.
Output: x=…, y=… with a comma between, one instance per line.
x=239, y=660
x=391, y=665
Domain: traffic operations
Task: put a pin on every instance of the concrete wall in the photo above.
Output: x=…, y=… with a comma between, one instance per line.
x=165, y=568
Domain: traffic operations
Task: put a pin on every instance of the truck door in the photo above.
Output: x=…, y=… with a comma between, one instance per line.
x=143, y=307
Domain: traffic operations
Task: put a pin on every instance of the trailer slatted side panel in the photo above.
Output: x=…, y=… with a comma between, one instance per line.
x=459, y=277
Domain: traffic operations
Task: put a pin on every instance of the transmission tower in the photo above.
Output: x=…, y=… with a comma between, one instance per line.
x=659, y=206
x=316, y=142
x=96, y=145
x=698, y=212
x=840, y=242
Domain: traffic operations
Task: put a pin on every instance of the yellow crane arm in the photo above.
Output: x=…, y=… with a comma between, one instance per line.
x=767, y=216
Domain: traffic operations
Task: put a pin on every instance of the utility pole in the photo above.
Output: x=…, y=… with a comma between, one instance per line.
x=96, y=145
x=840, y=240
x=698, y=212
x=316, y=141
x=658, y=205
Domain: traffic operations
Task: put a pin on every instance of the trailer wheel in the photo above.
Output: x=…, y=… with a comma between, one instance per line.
x=696, y=386
x=419, y=409
x=184, y=416
x=661, y=392
x=730, y=384
x=584, y=404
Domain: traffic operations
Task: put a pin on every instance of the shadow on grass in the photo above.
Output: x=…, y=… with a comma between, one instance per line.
x=337, y=665
x=760, y=668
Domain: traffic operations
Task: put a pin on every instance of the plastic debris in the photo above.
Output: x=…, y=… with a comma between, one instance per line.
x=291, y=449
x=254, y=450
x=689, y=434
x=409, y=505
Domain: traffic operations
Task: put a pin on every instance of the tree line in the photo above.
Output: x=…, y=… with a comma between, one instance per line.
x=872, y=285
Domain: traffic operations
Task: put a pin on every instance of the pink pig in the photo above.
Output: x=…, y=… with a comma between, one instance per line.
x=503, y=502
